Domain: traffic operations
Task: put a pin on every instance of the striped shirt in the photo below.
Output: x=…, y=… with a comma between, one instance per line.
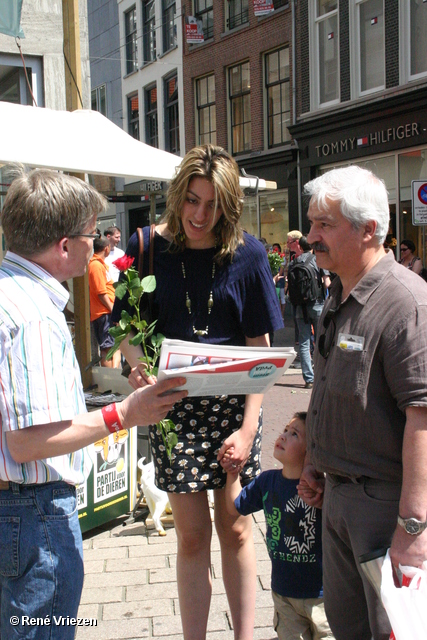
x=40, y=378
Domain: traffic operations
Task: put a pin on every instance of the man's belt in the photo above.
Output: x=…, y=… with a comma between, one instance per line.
x=4, y=485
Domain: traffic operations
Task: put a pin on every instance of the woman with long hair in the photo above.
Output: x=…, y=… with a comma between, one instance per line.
x=213, y=285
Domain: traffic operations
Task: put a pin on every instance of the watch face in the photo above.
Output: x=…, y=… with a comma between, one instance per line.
x=412, y=526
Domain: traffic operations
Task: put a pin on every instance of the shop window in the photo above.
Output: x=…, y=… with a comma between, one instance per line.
x=133, y=116
x=98, y=99
x=237, y=13
x=149, y=31
x=131, y=41
x=273, y=215
x=324, y=53
x=277, y=96
x=367, y=46
x=413, y=43
x=206, y=110
x=151, y=120
x=172, y=115
x=169, y=28
x=203, y=10
x=240, y=107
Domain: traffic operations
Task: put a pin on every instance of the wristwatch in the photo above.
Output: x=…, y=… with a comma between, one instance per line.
x=412, y=525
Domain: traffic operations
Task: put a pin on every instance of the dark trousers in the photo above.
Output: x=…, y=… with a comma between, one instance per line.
x=357, y=518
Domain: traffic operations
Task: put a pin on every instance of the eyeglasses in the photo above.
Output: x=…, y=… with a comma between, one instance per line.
x=94, y=236
x=403, y=249
x=327, y=338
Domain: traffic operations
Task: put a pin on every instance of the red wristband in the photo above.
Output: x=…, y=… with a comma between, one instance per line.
x=111, y=418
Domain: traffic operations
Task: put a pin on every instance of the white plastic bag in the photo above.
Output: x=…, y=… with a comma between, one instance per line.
x=406, y=606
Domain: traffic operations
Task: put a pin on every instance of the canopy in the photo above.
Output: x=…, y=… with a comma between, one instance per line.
x=83, y=141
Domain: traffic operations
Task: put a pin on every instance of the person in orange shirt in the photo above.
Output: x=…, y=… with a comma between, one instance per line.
x=101, y=297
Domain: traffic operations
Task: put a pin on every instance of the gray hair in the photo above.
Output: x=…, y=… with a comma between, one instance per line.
x=360, y=194
x=43, y=206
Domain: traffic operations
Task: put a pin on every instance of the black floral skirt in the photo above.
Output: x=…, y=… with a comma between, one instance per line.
x=202, y=425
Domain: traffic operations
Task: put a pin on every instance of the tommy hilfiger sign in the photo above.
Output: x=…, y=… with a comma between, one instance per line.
x=376, y=137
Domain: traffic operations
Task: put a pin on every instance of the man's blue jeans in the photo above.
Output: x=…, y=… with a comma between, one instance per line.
x=41, y=561
x=313, y=313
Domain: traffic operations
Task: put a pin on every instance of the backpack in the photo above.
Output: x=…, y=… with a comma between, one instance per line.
x=304, y=282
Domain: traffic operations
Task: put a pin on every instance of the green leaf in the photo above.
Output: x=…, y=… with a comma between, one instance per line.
x=114, y=348
x=136, y=340
x=157, y=340
x=149, y=284
x=121, y=290
x=172, y=439
x=117, y=332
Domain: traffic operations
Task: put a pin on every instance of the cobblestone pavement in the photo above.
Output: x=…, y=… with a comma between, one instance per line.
x=130, y=584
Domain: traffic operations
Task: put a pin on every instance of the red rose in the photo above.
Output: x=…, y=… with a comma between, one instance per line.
x=123, y=263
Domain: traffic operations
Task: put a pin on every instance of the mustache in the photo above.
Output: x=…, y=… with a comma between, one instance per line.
x=318, y=246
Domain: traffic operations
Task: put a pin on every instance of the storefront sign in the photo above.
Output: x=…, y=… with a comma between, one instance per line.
x=419, y=202
x=151, y=186
x=401, y=132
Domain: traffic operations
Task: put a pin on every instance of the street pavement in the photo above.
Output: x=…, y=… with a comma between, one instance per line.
x=130, y=585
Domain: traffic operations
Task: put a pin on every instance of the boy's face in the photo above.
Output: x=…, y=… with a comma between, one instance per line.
x=290, y=446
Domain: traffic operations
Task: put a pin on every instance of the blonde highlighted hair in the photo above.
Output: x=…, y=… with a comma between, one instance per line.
x=217, y=166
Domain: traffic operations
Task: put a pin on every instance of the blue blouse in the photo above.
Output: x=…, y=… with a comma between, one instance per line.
x=245, y=301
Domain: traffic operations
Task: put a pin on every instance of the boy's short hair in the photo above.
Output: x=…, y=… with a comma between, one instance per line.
x=99, y=244
x=300, y=415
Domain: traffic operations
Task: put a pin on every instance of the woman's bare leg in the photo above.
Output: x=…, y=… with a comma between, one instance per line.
x=238, y=566
x=194, y=532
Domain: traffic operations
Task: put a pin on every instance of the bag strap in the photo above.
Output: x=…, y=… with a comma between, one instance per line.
x=150, y=251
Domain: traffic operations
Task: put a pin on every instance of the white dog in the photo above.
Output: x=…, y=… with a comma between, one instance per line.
x=157, y=500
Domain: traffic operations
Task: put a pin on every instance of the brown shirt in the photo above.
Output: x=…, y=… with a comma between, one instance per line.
x=356, y=416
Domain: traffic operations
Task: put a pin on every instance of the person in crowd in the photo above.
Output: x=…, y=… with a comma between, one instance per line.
x=294, y=251
x=293, y=536
x=307, y=315
x=113, y=235
x=214, y=285
x=367, y=418
x=408, y=258
x=48, y=220
x=101, y=298
x=280, y=279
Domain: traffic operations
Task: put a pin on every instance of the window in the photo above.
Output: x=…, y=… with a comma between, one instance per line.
x=369, y=69
x=171, y=115
x=204, y=11
x=278, y=97
x=413, y=52
x=131, y=41
x=280, y=3
x=169, y=30
x=238, y=13
x=151, y=120
x=324, y=66
x=133, y=116
x=149, y=31
x=206, y=109
x=98, y=99
x=240, y=107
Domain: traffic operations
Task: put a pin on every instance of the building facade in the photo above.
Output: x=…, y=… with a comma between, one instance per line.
x=362, y=78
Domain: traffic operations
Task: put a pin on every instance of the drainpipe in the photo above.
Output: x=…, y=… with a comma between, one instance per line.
x=294, y=111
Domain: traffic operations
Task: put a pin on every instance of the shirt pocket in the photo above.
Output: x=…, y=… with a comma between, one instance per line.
x=349, y=373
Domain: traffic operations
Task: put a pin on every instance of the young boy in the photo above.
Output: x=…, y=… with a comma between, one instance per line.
x=293, y=537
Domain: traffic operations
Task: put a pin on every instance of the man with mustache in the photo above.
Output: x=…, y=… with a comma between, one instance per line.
x=367, y=419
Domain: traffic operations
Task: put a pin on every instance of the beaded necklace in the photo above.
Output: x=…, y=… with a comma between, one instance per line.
x=199, y=332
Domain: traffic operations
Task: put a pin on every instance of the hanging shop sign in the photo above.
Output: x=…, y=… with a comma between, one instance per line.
x=419, y=202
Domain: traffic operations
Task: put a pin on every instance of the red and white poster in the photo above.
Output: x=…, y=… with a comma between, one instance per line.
x=263, y=7
x=194, y=30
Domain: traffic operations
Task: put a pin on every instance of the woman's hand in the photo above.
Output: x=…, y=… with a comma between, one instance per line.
x=140, y=377
x=235, y=450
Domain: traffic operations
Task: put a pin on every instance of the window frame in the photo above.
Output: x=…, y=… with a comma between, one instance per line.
x=405, y=56
x=267, y=85
x=239, y=18
x=203, y=15
x=133, y=121
x=149, y=45
x=171, y=106
x=168, y=26
x=96, y=97
x=131, y=41
x=245, y=124
x=314, y=43
x=199, y=107
x=355, y=52
x=151, y=116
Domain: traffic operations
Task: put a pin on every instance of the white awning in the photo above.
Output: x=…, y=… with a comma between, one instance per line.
x=83, y=141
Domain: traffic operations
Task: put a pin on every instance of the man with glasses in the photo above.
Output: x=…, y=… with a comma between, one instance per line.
x=367, y=419
x=49, y=222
